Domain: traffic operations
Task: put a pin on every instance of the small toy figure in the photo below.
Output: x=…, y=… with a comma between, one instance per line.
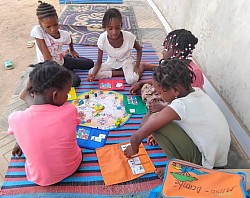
x=86, y=96
x=118, y=122
x=91, y=91
x=95, y=94
x=81, y=102
x=98, y=107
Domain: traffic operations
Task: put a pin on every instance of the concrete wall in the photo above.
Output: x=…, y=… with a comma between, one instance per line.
x=223, y=50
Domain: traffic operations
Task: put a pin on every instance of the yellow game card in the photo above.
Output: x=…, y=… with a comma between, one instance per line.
x=72, y=94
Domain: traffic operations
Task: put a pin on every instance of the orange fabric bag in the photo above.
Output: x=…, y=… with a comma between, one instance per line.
x=117, y=168
x=184, y=179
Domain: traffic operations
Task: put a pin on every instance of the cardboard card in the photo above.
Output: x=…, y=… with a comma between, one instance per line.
x=111, y=84
x=90, y=138
x=72, y=94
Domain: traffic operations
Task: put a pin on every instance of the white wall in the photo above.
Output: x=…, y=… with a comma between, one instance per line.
x=223, y=50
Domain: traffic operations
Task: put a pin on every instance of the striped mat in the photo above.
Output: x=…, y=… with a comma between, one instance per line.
x=90, y=1
x=87, y=181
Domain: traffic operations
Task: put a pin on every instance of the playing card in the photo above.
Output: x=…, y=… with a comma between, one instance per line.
x=137, y=169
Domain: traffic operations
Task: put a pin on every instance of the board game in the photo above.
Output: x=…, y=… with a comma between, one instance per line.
x=101, y=109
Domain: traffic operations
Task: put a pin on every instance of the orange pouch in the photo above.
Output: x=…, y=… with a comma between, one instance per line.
x=117, y=168
x=184, y=179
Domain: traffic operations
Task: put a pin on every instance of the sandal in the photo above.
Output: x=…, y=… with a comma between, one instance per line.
x=8, y=65
x=30, y=44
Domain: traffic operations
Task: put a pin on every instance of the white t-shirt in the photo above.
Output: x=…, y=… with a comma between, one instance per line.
x=120, y=54
x=54, y=45
x=205, y=124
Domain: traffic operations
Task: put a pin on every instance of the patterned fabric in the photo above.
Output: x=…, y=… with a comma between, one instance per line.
x=89, y=1
x=84, y=22
x=87, y=181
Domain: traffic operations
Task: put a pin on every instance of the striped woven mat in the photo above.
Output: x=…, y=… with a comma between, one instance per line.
x=87, y=181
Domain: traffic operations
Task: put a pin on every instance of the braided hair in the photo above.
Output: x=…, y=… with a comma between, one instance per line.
x=182, y=42
x=171, y=72
x=48, y=75
x=109, y=14
x=45, y=10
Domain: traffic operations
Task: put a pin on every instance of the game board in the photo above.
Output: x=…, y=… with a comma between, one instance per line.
x=101, y=109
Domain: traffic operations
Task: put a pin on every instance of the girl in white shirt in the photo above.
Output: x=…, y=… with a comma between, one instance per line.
x=191, y=127
x=117, y=44
x=50, y=40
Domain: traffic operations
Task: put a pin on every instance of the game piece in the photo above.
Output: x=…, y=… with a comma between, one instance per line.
x=91, y=91
x=118, y=122
x=90, y=138
x=95, y=94
x=86, y=96
x=98, y=107
x=81, y=102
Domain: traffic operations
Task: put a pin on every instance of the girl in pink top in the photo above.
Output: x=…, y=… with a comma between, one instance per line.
x=46, y=131
x=178, y=44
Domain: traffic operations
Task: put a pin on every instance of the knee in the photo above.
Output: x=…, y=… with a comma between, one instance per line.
x=76, y=81
x=89, y=64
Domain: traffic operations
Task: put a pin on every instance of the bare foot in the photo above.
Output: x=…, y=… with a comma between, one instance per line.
x=151, y=141
x=155, y=107
x=160, y=173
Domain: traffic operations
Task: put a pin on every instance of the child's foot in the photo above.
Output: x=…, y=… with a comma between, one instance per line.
x=155, y=107
x=160, y=173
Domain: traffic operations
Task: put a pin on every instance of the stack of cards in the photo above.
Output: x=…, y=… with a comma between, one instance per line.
x=134, y=162
x=90, y=138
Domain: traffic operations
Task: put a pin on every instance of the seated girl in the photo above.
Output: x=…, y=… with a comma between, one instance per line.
x=191, y=127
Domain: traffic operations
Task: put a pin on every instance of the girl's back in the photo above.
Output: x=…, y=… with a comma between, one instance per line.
x=202, y=120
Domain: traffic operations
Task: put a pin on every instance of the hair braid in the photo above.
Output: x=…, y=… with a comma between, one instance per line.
x=45, y=10
x=48, y=75
x=174, y=71
x=109, y=14
x=182, y=41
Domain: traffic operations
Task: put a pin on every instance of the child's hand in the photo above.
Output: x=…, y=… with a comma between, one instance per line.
x=154, y=107
x=90, y=77
x=128, y=152
x=74, y=54
x=17, y=151
x=135, y=88
x=138, y=71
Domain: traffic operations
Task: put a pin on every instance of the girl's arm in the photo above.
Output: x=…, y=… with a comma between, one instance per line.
x=44, y=49
x=138, y=58
x=138, y=85
x=97, y=66
x=153, y=124
x=72, y=51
